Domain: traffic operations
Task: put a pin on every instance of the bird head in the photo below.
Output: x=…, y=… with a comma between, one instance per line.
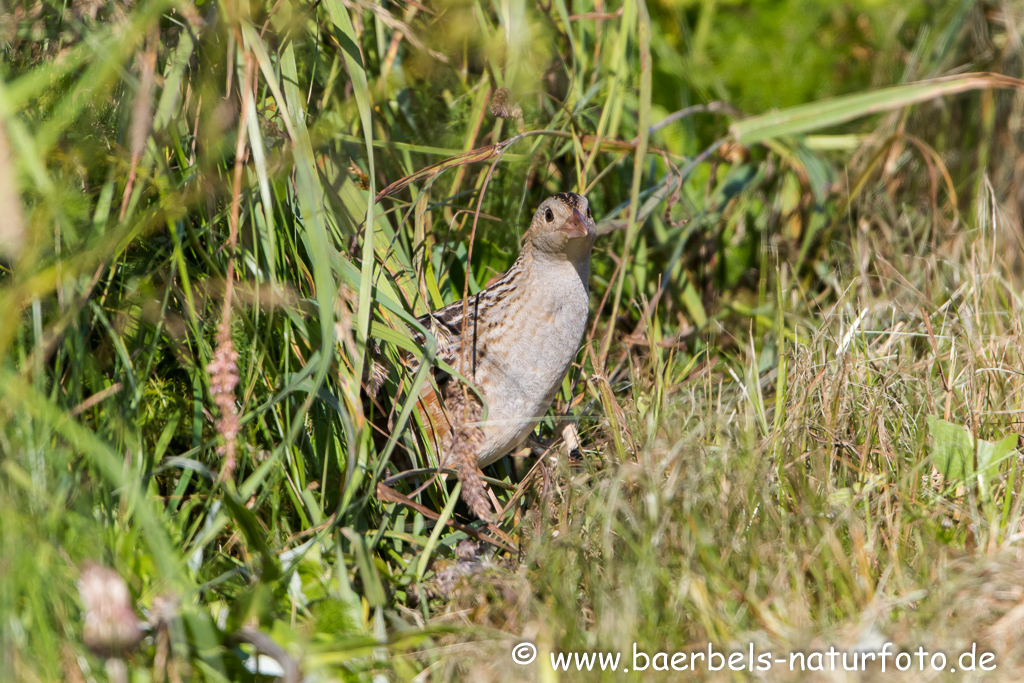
x=563, y=227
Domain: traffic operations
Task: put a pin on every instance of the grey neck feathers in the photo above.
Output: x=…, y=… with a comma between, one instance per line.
x=538, y=263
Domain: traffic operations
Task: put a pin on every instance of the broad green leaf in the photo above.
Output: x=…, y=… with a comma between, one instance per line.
x=808, y=117
x=953, y=453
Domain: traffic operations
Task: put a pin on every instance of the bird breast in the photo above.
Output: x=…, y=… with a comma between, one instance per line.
x=525, y=346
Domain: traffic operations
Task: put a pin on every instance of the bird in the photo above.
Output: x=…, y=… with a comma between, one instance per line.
x=514, y=341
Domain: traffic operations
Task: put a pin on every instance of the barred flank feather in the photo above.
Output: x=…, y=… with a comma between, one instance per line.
x=464, y=451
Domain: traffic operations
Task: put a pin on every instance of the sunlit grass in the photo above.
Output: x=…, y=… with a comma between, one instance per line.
x=776, y=321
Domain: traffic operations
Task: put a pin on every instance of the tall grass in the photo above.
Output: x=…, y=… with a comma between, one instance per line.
x=214, y=217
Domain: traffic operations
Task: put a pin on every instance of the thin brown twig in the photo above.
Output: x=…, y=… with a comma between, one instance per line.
x=488, y=152
x=522, y=487
x=388, y=494
x=96, y=398
x=597, y=16
x=714, y=107
x=141, y=111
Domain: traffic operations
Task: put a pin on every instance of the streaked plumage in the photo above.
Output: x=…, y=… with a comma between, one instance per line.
x=514, y=340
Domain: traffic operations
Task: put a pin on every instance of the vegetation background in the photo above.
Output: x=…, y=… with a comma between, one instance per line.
x=798, y=406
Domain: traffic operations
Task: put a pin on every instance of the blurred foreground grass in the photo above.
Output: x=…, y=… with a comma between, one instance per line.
x=798, y=404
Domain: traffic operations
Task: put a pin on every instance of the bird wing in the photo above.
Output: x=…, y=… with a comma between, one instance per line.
x=446, y=324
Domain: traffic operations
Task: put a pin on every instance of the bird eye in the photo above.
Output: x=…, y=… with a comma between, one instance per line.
x=548, y=216
x=588, y=212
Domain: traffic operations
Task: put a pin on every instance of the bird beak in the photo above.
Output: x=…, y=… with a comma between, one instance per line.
x=576, y=225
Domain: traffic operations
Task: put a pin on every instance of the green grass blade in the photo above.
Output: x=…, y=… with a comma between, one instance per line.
x=817, y=115
x=357, y=72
